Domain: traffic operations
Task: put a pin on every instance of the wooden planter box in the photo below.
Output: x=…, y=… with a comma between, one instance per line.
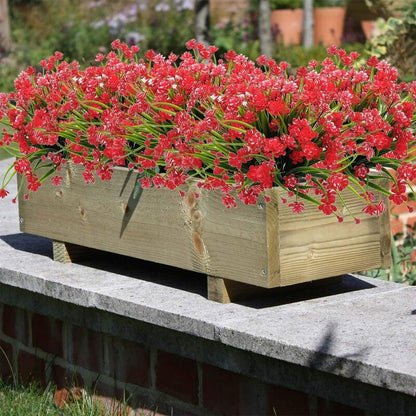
x=263, y=245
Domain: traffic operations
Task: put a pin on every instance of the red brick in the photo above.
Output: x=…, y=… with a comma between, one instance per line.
x=411, y=221
x=146, y=404
x=402, y=208
x=6, y=360
x=254, y=396
x=87, y=349
x=16, y=324
x=287, y=402
x=47, y=334
x=328, y=408
x=66, y=378
x=398, y=209
x=221, y=390
x=110, y=391
x=177, y=376
x=396, y=226
x=59, y=376
x=31, y=368
x=130, y=362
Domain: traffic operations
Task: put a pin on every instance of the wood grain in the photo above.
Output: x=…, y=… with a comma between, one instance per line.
x=263, y=245
x=226, y=290
x=314, y=246
x=197, y=234
x=385, y=231
x=69, y=253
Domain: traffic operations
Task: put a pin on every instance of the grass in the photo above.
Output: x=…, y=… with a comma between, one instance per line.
x=29, y=401
x=32, y=400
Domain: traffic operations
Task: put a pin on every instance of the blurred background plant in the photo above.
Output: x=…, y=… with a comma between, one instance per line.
x=285, y=4
x=403, y=267
x=228, y=34
x=330, y=3
x=79, y=29
x=385, y=8
x=395, y=39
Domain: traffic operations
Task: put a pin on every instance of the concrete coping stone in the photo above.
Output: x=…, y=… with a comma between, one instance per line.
x=355, y=327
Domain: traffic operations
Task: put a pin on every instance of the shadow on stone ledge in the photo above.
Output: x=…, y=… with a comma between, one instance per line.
x=29, y=243
x=187, y=280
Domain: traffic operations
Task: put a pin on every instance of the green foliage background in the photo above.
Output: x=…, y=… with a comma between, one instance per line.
x=81, y=28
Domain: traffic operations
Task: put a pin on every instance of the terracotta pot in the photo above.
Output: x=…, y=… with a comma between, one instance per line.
x=368, y=27
x=287, y=26
x=329, y=25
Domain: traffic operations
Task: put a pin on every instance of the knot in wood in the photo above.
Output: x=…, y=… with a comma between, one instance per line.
x=82, y=213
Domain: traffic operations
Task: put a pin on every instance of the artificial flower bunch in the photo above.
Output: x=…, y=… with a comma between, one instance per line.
x=238, y=126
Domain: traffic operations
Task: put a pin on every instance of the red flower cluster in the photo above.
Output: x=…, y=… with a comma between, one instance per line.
x=238, y=126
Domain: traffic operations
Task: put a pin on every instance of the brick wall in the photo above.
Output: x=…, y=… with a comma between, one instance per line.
x=49, y=349
x=401, y=219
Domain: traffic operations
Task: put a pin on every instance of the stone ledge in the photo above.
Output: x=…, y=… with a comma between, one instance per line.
x=358, y=328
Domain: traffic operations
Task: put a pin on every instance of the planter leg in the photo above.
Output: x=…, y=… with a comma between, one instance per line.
x=67, y=252
x=226, y=291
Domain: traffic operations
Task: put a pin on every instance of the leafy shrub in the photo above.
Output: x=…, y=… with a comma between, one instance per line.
x=226, y=35
x=403, y=267
x=396, y=41
x=79, y=28
x=286, y=4
x=299, y=56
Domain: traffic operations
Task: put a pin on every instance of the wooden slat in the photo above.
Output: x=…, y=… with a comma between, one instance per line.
x=385, y=232
x=69, y=253
x=273, y=240
x=263, y=245
x=226, y=291
x=234, y=240
x=314, y=246
x=197, y=234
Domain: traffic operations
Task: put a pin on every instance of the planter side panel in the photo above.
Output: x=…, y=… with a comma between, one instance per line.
x=234, y=241
x=197, y=234
x=314, y=246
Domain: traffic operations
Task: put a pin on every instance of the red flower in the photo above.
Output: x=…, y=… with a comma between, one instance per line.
x=56, y=180
x=375, y=209
x=275, y=146
x=361, y=171
x=297, y=207
x=262, y=174
x=291, y=181
x=337, y=181
x=277, y=108
x=3, y=193
x=327, y=208
x=229, y=201
x=239, y=128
